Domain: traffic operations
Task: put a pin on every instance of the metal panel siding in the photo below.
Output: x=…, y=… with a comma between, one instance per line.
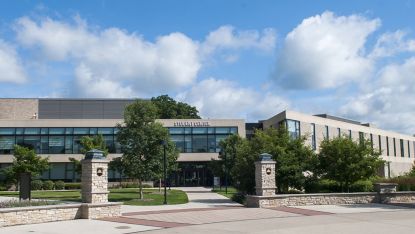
x=82, y=109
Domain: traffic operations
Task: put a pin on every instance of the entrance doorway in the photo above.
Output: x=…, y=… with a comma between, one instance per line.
x=192, y=174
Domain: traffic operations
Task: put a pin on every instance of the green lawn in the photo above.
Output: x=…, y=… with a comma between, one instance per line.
x=127, y=195
x=231, y=191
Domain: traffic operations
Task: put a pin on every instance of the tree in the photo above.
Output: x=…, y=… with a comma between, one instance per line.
x=168, y=108
x=116, y=165
x=140, y=139
x=89, y=143
x=345, y=161
x=25, y=160
x=292, y=158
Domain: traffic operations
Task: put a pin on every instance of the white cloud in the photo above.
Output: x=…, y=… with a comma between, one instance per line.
x=390, y=101
x=225, y=99
x=116, y=61
x=227, y=38
x=325, y=51
x=11, y=69
x=389, y=44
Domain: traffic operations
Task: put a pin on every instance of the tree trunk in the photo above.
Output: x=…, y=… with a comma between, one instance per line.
x=140, y=185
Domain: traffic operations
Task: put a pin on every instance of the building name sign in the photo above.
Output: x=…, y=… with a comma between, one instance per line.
x=191, y=124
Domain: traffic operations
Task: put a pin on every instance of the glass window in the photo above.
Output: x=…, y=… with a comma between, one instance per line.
x=409, y=150
x=234, y=130
x=361, y=137
x=188, y=144
x=350, y=134
x=199, y=130
x=176, y=130
x=44, y=131
x=212, y=143
x=93, y=131
x=187, y=130
x=387, y=146
x=394, y=147
x=339, y=132
x=56, y=144
x=218, y=139
x=81, y=131
x=293, y=128
x=69, y=131
x=44, y=144
x=56, y=131
x=68, y=144
x=326, y=132
x=179, y=141
x=222, y=130
x=7, y=131
x=57, y=171
x=199, y=143
x=402, y=148
x=211, y=130
x=77, y=144
x=6, y=144
x=313, y=136
x=109, y=142
x=371, y=140
x=19, y=131
x=106, y=131
x=116, y=130
x=32, y=131
x=32, y=142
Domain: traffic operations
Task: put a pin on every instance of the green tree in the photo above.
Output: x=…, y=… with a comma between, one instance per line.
x=345, y=161
x=140, y=139
x=25, y=160
x=168, y=108
x=89, y=143
x=292, y=156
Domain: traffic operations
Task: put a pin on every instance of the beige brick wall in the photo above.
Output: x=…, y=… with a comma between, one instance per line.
x=18, y=109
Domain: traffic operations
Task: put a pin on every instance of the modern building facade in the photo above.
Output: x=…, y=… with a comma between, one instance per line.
x=398, y=150
x=54, y=127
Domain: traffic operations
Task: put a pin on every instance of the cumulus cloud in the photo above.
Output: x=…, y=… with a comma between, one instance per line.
x=325, y=51
x=113, y=58
x=11, y=68
x=389, y=102
x=225, y=99
x=391, y=43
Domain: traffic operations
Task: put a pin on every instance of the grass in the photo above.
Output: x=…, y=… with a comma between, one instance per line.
x=126, y=195
x=231, y=191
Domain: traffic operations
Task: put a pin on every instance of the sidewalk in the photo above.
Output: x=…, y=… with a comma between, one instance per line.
x=199, y=197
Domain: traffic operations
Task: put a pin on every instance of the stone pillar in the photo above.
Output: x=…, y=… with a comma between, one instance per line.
x=95, y=177
x=265, y=176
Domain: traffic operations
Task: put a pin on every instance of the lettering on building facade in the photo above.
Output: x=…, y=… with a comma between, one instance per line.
x=191, y=124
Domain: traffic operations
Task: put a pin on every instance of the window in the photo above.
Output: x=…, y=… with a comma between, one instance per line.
x=293, y=128
x=32, y=131
x=402, y=148
x=7, y=131
x=339, y=132
x=387, y=146
x=350, y=134
x=199, y=143
x=394, y=147
x=326, y=132
x=371, y=140
x=361, y=137
x=56, y=144
x=6, y=144
x=409, y=150
x=313, y=136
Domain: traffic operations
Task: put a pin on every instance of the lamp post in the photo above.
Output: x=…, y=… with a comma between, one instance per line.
x=164, y=143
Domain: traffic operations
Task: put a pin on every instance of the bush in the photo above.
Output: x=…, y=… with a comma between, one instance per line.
x=59, y=185
x=362, y=186
x=72, y=186
x=37, y=185
x=405, y=183
x=48, y=185
x=239, y=198
x=331, y=186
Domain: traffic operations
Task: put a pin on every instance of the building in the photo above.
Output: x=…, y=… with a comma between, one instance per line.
x=54, y=127
x=398, y=150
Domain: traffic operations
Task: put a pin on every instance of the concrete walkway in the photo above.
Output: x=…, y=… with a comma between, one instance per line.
x=199, y=197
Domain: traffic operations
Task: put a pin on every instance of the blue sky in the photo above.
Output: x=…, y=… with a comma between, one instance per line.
x=232, y=59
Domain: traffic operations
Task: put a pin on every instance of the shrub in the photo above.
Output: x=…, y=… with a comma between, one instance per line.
x=59, y=185
x=72, y=186
x=239, y=198
x=37, y=184
x=405, y=183
x=48, y=185
x=362, y=186
x=331, y=186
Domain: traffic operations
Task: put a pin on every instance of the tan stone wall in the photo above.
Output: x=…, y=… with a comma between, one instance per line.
x=94, y=211
x=328, y=199
x=264, y=183
x=40, y=214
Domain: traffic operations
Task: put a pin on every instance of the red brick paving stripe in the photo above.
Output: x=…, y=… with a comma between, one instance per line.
x=180, y=210
x=145, y=222
x=300, y=211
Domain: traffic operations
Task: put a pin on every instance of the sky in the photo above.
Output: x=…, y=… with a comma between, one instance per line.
x=230, y=59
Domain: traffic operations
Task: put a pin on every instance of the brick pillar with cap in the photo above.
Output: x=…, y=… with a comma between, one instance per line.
x=94, y=177
x=265, y=176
